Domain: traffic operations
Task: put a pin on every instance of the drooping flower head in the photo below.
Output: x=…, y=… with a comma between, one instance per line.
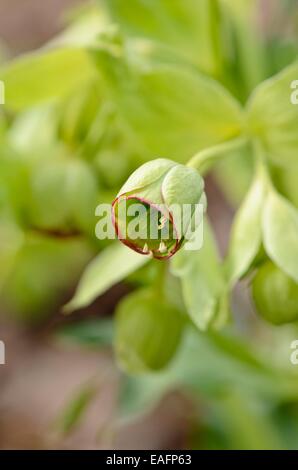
x=154, y=209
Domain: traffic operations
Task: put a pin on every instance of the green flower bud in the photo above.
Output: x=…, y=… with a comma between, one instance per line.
x=156, y=207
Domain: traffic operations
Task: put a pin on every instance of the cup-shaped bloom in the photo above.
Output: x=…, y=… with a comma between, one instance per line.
x=155, y=208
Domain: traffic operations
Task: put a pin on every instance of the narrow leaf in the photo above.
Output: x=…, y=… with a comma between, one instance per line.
x=273, y=117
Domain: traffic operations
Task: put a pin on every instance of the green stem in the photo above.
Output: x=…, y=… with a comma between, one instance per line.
x=261, y=162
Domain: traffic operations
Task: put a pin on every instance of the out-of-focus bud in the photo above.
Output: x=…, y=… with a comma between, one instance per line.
x=156, y=208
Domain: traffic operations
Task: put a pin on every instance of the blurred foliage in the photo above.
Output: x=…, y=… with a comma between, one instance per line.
x=123, y=84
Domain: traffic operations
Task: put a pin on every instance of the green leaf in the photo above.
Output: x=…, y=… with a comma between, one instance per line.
x=280, y=233
x=71, y=416
x=45, y=75
x=250, y=60
x=246, y=234
x=170, y=108
x=202, y=280
x=204, y=160
x=112, y=265
x=285, y=180
x=85, y=25
x=189, y=26
x=247, y=422
x=273, y=118
x=148, y=332
x=64, y=179
x=43, y=269
x=182, y=185
x=211, y=366
x=33, y=133
x=230, y=361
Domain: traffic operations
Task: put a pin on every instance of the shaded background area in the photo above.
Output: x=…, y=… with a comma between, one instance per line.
x=27, y=24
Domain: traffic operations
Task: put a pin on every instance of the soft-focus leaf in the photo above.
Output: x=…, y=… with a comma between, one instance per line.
x=63, y=195
x=237, y=163
x=147, y=174
x=280, y=232
x=139, y=394
x=43, y=269
x=248, y=423
x=237, y=364
x=14, y=182
x=189, y=26
x=204, y=160
x=80, y=114
x=148, y=332
x=46, y=75
x=273, y=117
x=111, y=266
x=33, y=132
x=202, y=280
x=72, y=414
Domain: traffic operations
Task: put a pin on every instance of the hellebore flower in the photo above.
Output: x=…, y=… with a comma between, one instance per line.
x=155, y=208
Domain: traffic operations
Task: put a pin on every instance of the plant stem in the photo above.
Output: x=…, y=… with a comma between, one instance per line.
x=203, y=160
